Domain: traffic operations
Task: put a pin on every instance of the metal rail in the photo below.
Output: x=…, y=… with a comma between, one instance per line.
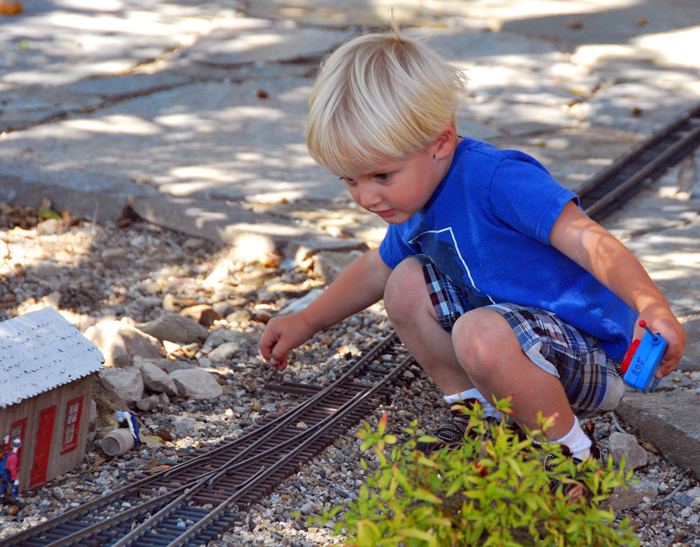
x=609, y=189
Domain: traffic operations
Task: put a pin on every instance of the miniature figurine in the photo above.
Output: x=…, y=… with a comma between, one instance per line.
x=9, y=480
x=128, y=419
x=5, y=476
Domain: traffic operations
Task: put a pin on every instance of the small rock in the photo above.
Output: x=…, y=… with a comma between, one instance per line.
x=196, y=384
x=127, y=383
x=184, y=424
x=193, y=243
x=204, y=314
x=307, y=508
x=155, y=379
x=221, y=336
x=50, y=226
x=120, y=343
x=301, y=303
x=622, y=498
x=683, y=499
x=170, y=303
x=224, y=353
x=174, y=328
x=623, y=445
x=150, y=403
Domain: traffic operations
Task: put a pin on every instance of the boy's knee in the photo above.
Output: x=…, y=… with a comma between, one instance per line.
x=478, y=337
x=405, y=290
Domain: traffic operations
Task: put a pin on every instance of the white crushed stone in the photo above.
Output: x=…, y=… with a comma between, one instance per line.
x=91, y=271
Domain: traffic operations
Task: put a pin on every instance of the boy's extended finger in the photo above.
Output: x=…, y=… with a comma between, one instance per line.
x=264, y=351
x=278, y=357
x=279, y=364
x=668, y=365
x=267, y=343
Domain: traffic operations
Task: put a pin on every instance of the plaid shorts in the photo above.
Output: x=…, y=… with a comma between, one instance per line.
x=589, y=377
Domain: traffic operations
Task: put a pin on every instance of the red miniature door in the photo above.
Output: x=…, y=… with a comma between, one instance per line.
x=42, y=446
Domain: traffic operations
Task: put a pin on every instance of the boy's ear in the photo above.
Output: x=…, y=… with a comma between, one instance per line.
x=446, y=142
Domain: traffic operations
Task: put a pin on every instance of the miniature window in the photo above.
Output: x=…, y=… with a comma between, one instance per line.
x=71, y=426
x=17, y=430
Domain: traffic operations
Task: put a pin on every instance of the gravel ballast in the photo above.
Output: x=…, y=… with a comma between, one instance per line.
x=139, y=271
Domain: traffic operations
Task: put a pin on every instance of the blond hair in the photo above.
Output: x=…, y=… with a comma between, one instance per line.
x=379, y=97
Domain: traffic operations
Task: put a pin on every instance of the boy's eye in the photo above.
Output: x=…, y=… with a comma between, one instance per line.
x=347, y=181
x=382, y=177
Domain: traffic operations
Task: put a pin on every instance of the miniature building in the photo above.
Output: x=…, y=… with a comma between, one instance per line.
x=47, y=369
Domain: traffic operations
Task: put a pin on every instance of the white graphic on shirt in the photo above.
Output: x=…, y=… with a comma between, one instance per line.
x=455, y=248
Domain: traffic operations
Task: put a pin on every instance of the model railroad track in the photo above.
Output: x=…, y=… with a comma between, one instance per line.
x=613, y=186
x=195, y=501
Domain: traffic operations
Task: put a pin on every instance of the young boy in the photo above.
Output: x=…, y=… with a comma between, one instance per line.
x=492, y=276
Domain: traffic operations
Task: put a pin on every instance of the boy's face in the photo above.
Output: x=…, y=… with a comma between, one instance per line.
x=398, y=189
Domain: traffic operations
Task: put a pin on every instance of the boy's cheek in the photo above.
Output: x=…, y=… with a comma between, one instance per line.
x=355, y=198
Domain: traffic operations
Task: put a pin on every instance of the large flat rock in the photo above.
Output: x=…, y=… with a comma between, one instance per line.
x=670, y=420
x=62, y=41
x=214, y=140
x=691, y=358
x=672, y=258
x=248, y=40
x=221, y=222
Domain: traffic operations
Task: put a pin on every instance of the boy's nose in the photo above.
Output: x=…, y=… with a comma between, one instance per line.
x=368, y=198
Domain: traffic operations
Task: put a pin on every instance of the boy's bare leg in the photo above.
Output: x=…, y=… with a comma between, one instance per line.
x=488, y=350
x=408, y=305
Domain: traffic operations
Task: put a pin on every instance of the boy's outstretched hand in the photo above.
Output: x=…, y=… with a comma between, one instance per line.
x=660, y=319
x=281, y=335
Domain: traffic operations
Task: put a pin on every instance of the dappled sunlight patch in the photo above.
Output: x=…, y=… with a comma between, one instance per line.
x=188, y=121
x=661, y=270
x=259, y=40
x=672, y=47
x=114, y=124
x=245, y=112
x=194, y=176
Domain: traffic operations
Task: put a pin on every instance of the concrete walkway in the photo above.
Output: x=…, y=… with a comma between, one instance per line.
x=193, y=114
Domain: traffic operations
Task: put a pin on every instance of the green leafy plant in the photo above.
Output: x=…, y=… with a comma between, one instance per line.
x=494, y=489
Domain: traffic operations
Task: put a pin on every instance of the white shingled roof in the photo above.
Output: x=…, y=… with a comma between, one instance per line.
x=40, y=351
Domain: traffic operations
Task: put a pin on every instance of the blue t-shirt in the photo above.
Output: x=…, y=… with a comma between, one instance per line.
x=487, y=226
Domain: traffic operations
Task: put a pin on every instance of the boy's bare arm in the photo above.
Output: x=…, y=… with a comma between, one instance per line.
x=594, y=248
x=360, y=285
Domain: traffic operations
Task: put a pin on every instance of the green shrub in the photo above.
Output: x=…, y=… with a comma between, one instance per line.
x=493, y=489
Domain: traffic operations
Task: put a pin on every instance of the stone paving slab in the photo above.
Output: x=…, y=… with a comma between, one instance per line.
x=27, y=107
x=214, y=139
x=573, y=156
x=209, y=140
x=61, y=41
x=655, y=208
x=361, y=13
x=639, y=24
x=249, y=40
x=670, y=421
x=672, y=258
x=219, y=221
x=691, y=359
x=637, y=107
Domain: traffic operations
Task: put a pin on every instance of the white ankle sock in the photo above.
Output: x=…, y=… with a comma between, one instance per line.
x=577, y=441
x=474, y=393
